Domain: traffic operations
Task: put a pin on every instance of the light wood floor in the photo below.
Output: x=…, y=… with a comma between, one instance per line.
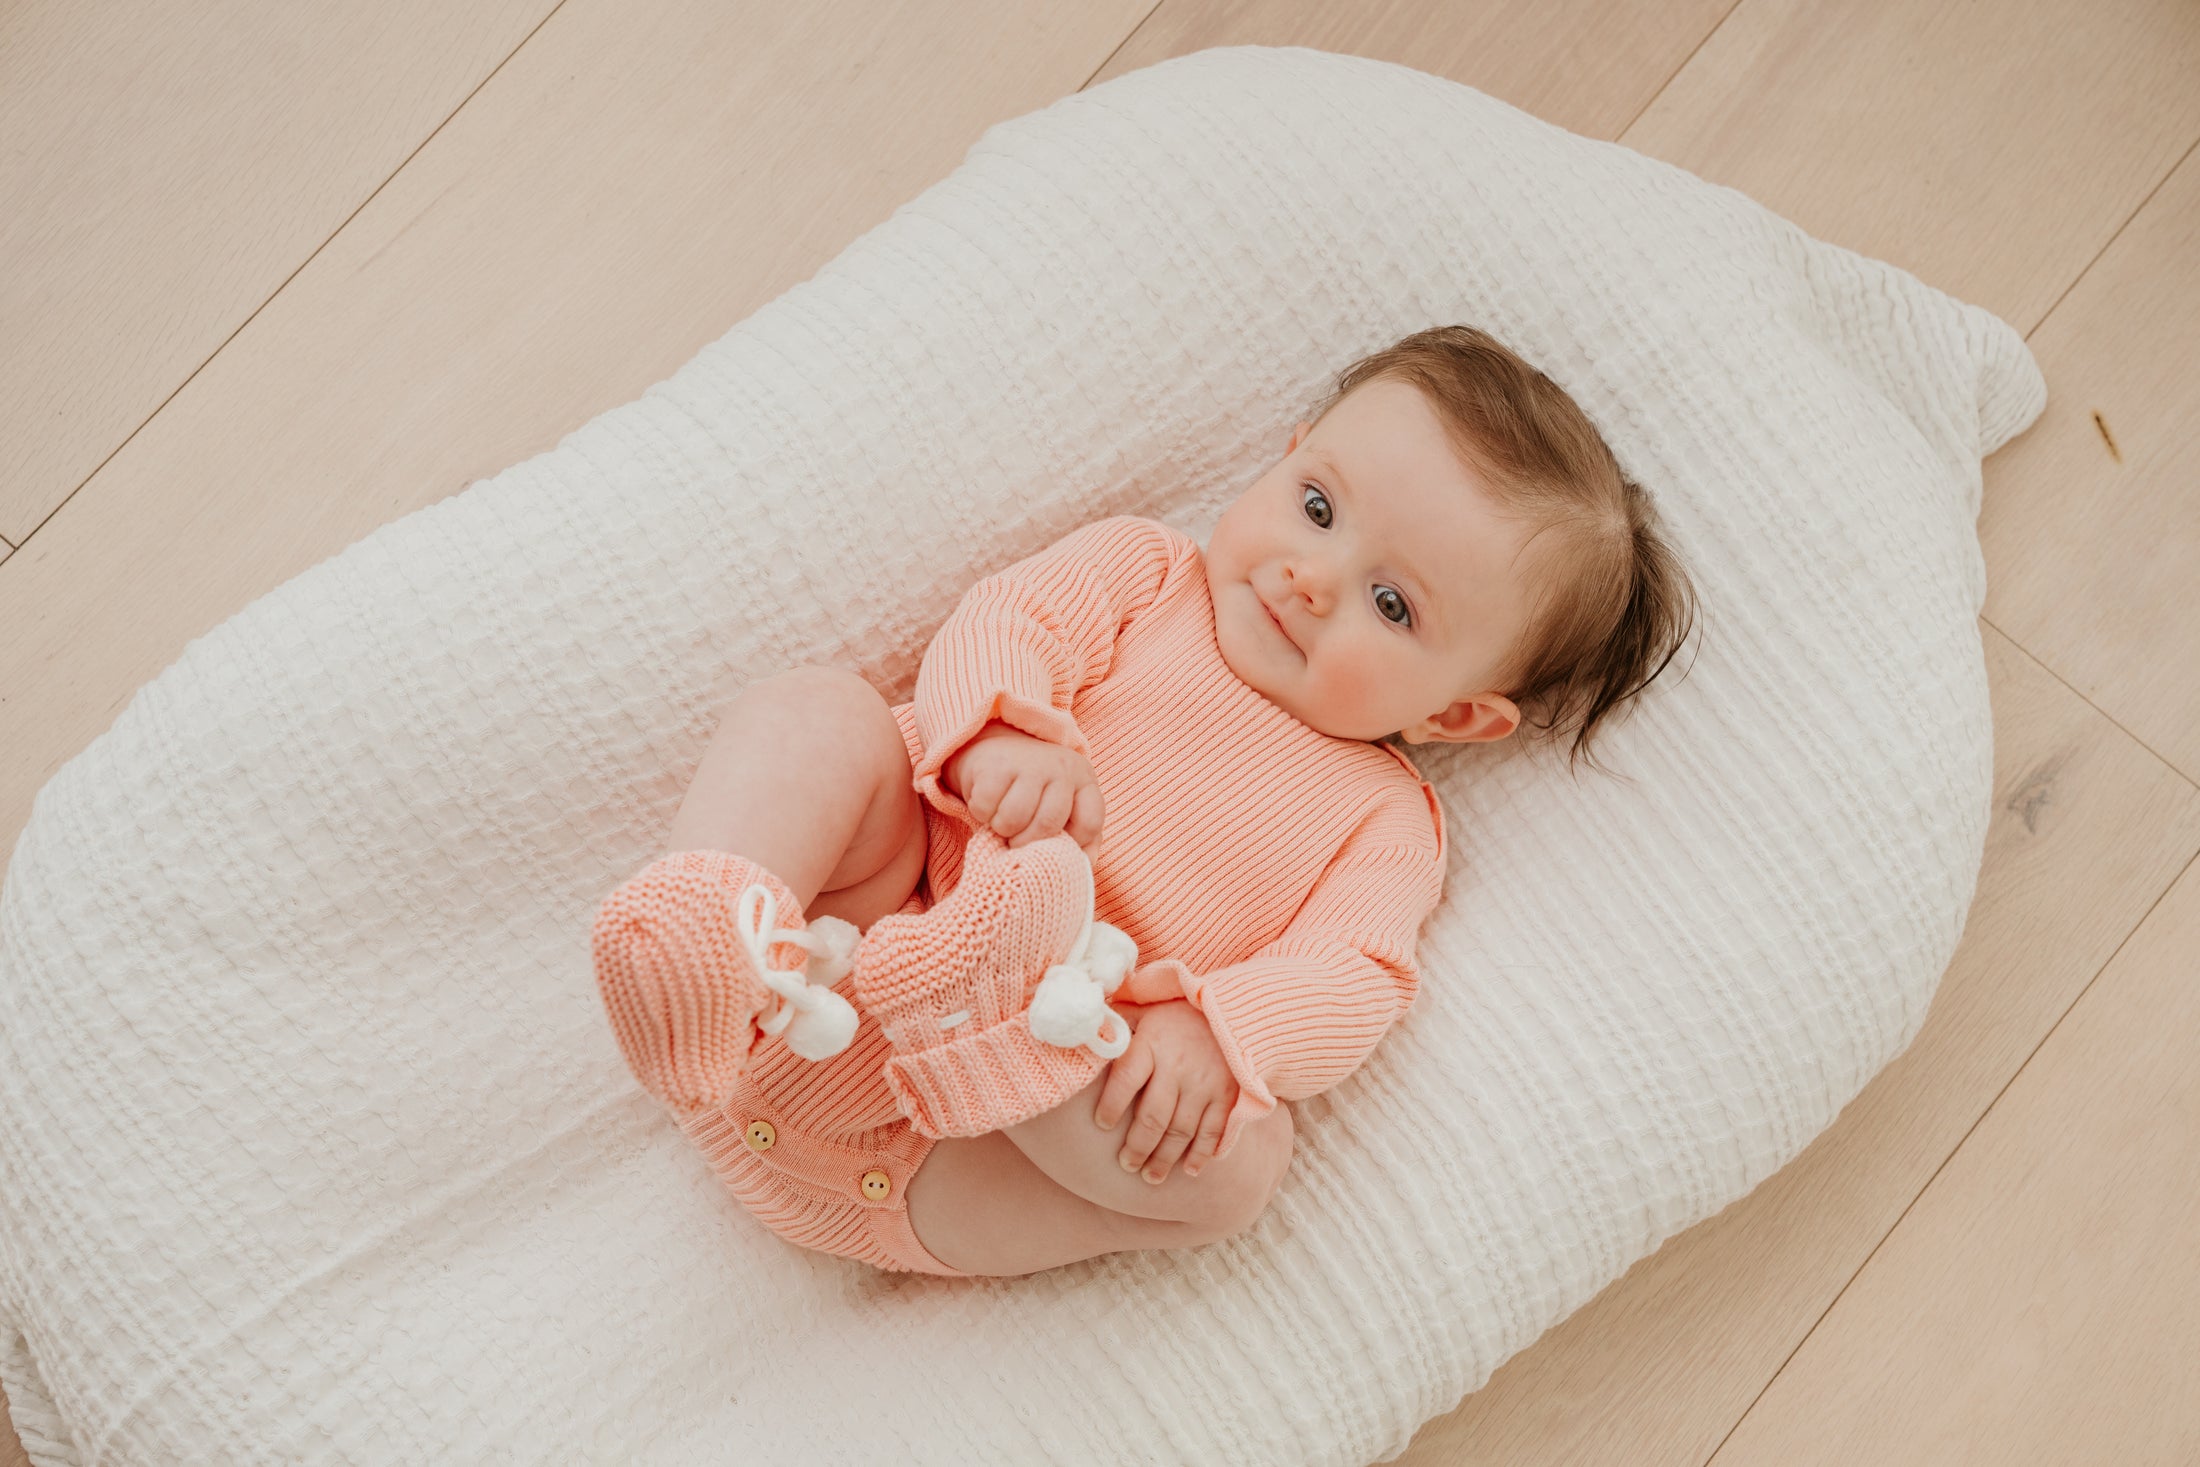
x=271, y=277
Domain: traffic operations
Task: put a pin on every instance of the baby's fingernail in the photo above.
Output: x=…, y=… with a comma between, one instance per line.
x=1127, y=1163
x=1191, y=1171
x=1103, y=1125
x=1154, y=1178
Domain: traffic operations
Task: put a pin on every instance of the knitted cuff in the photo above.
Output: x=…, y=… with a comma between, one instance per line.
x=998, y=1077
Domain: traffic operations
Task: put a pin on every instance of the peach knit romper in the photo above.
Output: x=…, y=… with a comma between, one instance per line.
x=1274, y=876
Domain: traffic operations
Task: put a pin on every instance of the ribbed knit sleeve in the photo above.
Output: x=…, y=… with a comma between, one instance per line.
x=1304, y=1012
x=1024, y=641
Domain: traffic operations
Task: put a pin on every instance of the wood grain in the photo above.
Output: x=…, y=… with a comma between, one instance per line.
x=637, y=179
x=2039, y=1304
x=1587, y=65
x=165, y=543
x=2093, y=538
x=1906, y=132
x=166, y=168
x=1989, y=147
x=2088, y=829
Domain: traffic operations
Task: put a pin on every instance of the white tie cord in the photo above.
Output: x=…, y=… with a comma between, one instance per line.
x=815, y=1022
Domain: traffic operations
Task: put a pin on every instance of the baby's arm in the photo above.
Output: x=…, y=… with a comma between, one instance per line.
x=1305, y=1011
x=1026, y=789
x=1023, y=642
x=1181, y=1081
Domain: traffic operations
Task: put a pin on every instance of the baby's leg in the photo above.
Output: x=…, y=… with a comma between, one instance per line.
x=797, y=800
x=1046, y=1192
x=978, y=1204
x=808, y=776
x=1068, y=1146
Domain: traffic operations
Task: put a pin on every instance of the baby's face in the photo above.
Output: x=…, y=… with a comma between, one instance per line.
x=1399, y=587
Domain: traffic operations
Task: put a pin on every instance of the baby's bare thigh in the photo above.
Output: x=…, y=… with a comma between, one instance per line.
x=885, y=853
x=1228, y=1194
x=1014, y=1202
x=808, y=775
x=981, y=1206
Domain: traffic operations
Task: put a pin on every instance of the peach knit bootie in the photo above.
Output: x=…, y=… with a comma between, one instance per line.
x=995, y=1000
x=693, y=965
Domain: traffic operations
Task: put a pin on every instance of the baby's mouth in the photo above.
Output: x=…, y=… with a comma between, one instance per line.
x=1275, y=621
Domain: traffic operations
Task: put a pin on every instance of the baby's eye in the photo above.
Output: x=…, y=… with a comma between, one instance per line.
x=1404, y=617
x=1322, y=516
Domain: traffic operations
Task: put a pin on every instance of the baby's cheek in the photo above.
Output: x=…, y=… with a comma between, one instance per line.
x=1349, y=682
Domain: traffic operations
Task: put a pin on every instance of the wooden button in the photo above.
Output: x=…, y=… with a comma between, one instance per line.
x=761, y=1135
x=876, y=1185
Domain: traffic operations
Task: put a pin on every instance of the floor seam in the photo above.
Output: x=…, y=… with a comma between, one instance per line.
x=192, y=376
x=2110, y=243
x=1128, y=36
x=2034, y=658
x=1652, y=100
x=1964, y=1140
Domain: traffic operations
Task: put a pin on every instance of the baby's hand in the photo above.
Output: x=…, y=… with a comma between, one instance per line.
x=1026, y=789
x=1185, y=1087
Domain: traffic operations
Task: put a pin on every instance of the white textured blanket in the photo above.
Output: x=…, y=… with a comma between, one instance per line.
x=315, y=1145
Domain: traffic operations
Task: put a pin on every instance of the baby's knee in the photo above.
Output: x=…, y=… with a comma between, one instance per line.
x=826, y=692
x=825, y=710
x=1263, y=1152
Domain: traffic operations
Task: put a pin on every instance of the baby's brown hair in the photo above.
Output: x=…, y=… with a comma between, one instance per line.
x=1614, y=605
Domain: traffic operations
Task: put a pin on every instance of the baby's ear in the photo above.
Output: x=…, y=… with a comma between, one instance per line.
x=1481, y=719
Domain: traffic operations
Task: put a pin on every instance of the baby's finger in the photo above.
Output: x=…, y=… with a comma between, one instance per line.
x=1127, y=1075
x=1084, y=819
x=1210, y=1136
x=1016, y=807
x=1051, y=816
x=983, y=797
x=1173, y=1141
x=1156, y=1106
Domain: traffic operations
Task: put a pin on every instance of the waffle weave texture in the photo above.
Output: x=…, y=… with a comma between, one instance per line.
x=315, y=1146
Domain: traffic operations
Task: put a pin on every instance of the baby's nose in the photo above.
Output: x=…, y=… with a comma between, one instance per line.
x=1314, y=584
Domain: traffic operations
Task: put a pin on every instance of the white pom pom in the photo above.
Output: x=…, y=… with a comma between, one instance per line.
x=1110, y=956
x=839, y=937
x=1067, y=1006
x=823, y=1025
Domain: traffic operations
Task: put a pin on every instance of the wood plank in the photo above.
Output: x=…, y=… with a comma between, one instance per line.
x=637, y=179
x=2093, y=540
x=1991, y=150
x=81, y=599
x=744, y=148
x=1904, y=132
x=1587, y=65
x=167, y=167
x=1676, y=1321
x=2039, y=1304
x=2088, y=829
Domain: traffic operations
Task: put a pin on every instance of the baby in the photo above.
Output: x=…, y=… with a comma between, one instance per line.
x=1015, y=974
